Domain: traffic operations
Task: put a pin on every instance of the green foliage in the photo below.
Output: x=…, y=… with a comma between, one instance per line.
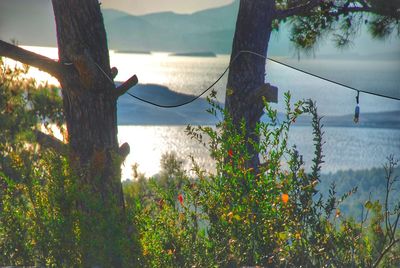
x=344, y=20
x=368, y=182
x=24, y=104
x=271, y=215
x=239, y=216
x=38, y=225
x=48, y=215
x=37, y=221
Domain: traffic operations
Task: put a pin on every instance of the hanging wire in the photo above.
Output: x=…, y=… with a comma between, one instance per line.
x=230, y=65
x=183, y=103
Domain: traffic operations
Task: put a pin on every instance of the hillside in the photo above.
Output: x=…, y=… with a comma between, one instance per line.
x=28, y=22
x=32, y=23
x=370, y=182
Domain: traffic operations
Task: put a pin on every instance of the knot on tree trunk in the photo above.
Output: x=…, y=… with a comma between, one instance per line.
x=124, y=150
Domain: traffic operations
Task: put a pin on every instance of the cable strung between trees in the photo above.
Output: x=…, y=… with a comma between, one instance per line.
x=262, y=56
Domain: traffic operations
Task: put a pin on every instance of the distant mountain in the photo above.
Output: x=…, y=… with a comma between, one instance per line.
x=216, y=19
x=32, y=23
x=208, y=30
x=29, y=22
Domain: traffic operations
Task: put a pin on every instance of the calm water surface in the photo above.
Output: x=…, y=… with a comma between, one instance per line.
x=345, y=148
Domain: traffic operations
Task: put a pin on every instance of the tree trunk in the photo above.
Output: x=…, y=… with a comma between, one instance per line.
x=90, y=108
x=247, y=73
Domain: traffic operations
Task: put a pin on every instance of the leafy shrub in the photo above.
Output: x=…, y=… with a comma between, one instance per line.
x=48, y=216
x=269, y=215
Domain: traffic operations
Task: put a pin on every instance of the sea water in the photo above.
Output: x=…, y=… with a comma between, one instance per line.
x=345, y=148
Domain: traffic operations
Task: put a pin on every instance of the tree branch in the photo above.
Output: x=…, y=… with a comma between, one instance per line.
x=41, y=62
x=282, y=14
x=267, y=91
x=48, y=141
x=383, y=253
x=124, y=87
x=353, y=9
x=304, y=10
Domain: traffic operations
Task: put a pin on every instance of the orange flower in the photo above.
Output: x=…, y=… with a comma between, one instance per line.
x=230, y=153
x=285, y=198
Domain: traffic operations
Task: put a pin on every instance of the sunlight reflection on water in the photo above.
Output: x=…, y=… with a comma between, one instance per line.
x=346, y=148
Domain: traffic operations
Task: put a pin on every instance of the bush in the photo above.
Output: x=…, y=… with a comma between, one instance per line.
x=48, y=216
x=240, y=215
x=269, y=215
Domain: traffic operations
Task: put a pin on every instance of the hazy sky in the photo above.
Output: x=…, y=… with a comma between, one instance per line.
x=150, y=6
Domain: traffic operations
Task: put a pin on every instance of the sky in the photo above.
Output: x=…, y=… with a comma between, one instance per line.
x=149, y=6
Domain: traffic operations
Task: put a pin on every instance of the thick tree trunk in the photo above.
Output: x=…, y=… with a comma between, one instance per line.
x=90, y=112
x=247, y=73
x=90, y=109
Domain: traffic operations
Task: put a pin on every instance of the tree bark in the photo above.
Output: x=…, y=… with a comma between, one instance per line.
x=247, y=73
x=90, y=109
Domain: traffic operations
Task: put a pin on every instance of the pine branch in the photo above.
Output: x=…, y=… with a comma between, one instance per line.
x=48, y=141
x=298, y=10
x=385, y=250
x=27, y=57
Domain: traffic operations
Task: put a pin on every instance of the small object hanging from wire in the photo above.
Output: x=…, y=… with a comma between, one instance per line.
x=357, y=111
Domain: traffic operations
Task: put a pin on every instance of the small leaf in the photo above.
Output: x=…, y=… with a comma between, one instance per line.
x=368, y=205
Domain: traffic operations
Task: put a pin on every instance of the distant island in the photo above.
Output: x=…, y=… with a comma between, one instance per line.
x=208, y=54
x=134, y=112
x=126, y=51
x=387, y=119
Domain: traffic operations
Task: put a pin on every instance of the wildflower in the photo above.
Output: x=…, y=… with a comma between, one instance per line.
x=230, y=153
x=337, y=215
x=230, y=216
x=285, y=198
x=298, y=236
x=180, y=199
